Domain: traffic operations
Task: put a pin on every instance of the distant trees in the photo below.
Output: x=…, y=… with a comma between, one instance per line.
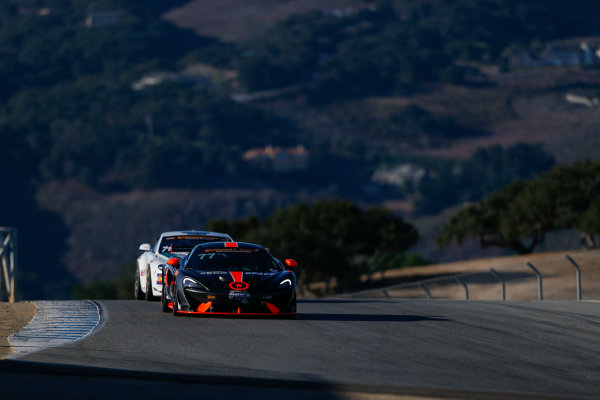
x=489, y=169
x=401, y=44
x=520, y=215
x=118, y=288
x=70, y=112
x=329, y=238
x=366, y=53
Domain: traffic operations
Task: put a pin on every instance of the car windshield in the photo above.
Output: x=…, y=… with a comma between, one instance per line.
x=185, y=244
x=232, y=259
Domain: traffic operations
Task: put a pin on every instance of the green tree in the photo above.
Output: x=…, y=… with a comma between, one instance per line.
x=329, y=238
x=495, y=221
x=519, y=216
x=575, y=189
x=120, y=288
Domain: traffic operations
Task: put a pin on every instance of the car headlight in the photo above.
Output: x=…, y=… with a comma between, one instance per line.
x=286, y=282
x=193, y=284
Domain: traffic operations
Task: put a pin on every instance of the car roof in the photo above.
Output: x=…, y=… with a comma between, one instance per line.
x=242, y=245
x=193, y=233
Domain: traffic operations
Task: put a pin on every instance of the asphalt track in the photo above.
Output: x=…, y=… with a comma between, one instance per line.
x=538, y=348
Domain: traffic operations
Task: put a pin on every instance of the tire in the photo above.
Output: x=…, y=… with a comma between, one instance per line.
x=175, y=302
x=293, y=309
x=149, y=296
x=137, y=290
x=164, y=304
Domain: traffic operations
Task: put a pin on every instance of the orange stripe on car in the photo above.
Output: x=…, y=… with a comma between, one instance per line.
x=204, y=306
x=273, y=308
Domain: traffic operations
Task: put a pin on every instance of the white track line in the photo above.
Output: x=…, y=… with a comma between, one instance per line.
x=55, y=323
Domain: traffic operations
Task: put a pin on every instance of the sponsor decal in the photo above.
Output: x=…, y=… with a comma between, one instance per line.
x=261, y=273
x=238, y=285
x=214, y=273
x=231, y=250
x=201, y=237
x=243, y=298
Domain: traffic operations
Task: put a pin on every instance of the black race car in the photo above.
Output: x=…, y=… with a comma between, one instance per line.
x=225, y=278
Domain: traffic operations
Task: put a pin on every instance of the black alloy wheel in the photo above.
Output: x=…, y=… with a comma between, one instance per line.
x=164, y=304
x=175, y=302
x=149, y=295
x=137, y=290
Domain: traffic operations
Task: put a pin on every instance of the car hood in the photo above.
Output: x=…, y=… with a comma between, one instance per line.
x=219, y=280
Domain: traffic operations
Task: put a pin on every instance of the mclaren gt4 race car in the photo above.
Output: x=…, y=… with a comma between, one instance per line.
x=148, y=276
x=229, y=278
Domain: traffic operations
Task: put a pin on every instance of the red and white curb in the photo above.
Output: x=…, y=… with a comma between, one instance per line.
x=56, y=323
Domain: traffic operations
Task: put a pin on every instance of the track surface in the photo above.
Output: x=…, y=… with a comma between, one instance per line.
x=531, y=347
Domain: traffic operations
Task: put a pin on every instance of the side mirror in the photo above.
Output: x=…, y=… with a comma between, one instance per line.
x=174, y=262
x=291, y=263
x=145, y=247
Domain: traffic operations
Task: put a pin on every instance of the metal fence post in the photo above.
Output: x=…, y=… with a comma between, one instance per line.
x=577, y=276
x=540, y=285
x=465, y=286
x=13, y=265
x=422, y=286
x=1, y=273
x=8, y=260
x=497, y=276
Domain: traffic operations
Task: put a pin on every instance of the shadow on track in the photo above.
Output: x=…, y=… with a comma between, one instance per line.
x=340, y=301
x=366, y=317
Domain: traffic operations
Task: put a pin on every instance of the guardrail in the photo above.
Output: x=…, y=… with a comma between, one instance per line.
x=501, y=276
x=8, y=261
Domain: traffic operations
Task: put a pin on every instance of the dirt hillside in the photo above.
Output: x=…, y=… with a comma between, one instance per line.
x=13, y=317
x=558, y=277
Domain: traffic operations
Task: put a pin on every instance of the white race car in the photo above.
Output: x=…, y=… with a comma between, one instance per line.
x=148, y=276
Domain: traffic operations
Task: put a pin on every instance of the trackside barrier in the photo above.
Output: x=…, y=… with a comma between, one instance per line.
x=8, y=261
x=540, y=285
x=577, y=275
x=503, y=291
x=463, y=280
x=464, y=286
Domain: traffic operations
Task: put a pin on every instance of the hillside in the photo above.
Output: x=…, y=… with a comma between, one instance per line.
x=559, y=278
x=525, y=105
x=230, y=22
x=115, y=131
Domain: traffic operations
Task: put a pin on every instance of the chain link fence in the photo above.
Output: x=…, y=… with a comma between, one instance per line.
x=8, y=263
x=574, y=276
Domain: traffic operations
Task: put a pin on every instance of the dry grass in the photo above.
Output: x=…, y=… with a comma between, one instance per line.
x=13, y=317
x=521, y=283
x=239, y=20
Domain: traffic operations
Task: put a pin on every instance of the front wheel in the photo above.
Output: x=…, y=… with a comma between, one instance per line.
x=137, y=290
x=175, y=302
x=149, y=295
x=292, y=309
x=164, y=304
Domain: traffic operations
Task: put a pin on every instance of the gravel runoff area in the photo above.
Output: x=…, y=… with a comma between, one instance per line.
x=13, y=317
